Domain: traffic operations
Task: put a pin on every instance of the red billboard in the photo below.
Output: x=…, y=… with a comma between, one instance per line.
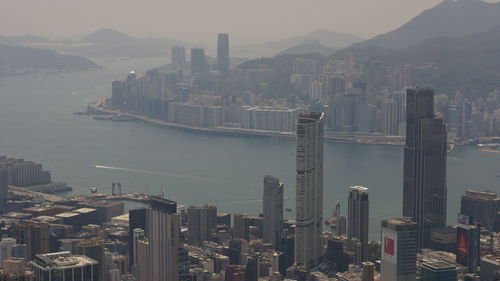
x=389, y=246
x=462, y=246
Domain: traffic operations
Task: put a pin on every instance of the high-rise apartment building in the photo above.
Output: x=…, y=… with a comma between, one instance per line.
x=178, y=57
x=309, y=189
x=424, y=186
x=162, y=223
x=198, y=63
x=202, y=223
x=22, y=173
x=358, y=217
x=399, y=250
x=223, y=52
x=273, y=211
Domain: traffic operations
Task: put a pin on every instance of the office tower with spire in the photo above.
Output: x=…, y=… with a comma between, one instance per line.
x=202, y=223
x=162, y=223
x=358, y=217
x=424, y=179
x=223, y=52
x=309, y=189
x=273, y=211
x=399, y=250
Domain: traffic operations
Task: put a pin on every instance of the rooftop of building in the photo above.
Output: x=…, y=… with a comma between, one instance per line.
x=84, y=210
x=400, y=221
x=121, y=218
x=46, y=218
x=438, y=265
x=492, y=259
x=485, y=195
x=62, y=260
x=359, y=188
x=17, y=215
x=310, y=117
x=67, y=215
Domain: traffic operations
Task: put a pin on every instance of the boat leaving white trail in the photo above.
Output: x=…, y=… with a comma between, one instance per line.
x=130, y=170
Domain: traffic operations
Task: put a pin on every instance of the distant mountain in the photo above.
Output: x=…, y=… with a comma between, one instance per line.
x=453, y=18
x=20, y=60
x=106, y=35
x=18, y=40
x=468, y=64
x=324, y=37
x=309, y=47
x=107, y=42
x=279, y=85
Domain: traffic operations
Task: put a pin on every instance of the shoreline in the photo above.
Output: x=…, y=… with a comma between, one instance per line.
x=100, y=112
x=96, y=109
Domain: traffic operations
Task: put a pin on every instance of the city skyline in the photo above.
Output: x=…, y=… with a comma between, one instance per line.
x=79, y=25
x=227, y=167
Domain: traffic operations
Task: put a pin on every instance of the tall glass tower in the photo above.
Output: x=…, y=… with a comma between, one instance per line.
x=424, y=179
x=223, y=52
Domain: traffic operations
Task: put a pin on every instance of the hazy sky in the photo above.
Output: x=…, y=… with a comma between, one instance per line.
x=247, y=21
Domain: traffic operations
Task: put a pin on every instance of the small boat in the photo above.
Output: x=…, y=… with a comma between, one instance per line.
x=93, y=165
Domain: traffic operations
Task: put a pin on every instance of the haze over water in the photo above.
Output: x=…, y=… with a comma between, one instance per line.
x=36, y=123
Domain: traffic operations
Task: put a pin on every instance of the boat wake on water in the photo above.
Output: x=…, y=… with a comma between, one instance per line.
x=131, y=170
x=93, y=165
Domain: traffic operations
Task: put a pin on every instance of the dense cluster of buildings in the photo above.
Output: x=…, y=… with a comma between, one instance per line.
x=368, y=97
x=91, y=237
x=356, y=97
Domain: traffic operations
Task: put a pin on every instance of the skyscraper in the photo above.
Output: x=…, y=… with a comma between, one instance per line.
x=137, y=220
x=273, y=211
x=424, y=186
x=163, y=226
x=357, y=217
x=309, y=189
x=202, y=223
x=3, y=187
x=468, y=243
x=198, y=63
x=482, y=206
x=94, y=249
x=223, y=52
x=178, y=57
x=399, y=250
